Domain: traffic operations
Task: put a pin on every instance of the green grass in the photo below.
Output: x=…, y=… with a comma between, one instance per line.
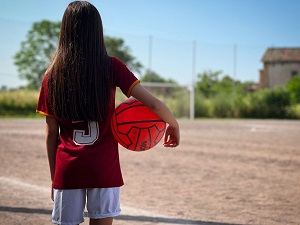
x=20, y=103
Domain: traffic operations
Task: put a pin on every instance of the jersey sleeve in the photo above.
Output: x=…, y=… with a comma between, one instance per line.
x=43, y=105
x=123, y=77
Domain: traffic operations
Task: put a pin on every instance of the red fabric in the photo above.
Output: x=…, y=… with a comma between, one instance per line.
x=94, y=164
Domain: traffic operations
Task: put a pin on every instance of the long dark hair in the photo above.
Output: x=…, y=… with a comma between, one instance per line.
x=80, y=79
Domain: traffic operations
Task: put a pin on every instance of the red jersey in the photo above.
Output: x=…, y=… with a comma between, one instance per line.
x=87, y=153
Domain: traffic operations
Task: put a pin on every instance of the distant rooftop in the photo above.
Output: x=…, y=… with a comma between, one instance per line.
x=281, y=55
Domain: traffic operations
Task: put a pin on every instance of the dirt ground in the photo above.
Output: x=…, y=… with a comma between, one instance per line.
x=224, y=172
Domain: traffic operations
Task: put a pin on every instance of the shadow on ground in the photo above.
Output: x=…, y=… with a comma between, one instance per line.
x=120, y=217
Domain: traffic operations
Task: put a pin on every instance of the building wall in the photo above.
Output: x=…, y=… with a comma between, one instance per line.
x=263, y=79
x=281, y=73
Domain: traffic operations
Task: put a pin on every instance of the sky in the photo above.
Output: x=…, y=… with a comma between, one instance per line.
x=177, y=39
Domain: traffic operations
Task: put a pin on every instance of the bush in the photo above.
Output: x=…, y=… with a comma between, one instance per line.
x=202, y=106
x=270, y=103
x=178, y=102
x=18, y=103
x=267, y=104
x=222, y=106
x=294, y=111
x=293, y=87
x=239, y=106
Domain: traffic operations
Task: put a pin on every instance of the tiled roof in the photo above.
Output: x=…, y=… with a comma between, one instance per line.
x=281, y=55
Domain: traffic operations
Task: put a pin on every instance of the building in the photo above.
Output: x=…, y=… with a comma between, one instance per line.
x=279, y=66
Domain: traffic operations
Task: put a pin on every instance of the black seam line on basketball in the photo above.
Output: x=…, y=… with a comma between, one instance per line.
x=142, y=121
x=149, y=133
x=155, y=125
x=137, y=141
x=116, y=133
x=128, y=108
x=155, y=140
x=126, y=134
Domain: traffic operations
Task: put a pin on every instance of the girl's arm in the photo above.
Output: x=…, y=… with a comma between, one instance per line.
x=51, y=136
x=172, y=135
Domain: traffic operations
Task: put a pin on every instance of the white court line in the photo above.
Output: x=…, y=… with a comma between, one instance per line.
x=19, y=183
x=126, y=210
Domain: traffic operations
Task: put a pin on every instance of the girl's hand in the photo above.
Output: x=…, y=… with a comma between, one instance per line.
x=172, y=137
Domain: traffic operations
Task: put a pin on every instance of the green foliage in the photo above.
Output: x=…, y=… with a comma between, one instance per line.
x=261, y=104
x=178, y=103
x=293, y=87
x=267, y=103
x=202, y=106
x=116, y=47
x=151, y=76
x=225, y=97
x=18, y=103
x=222, y=106
x=294, y=111
x=210, y=84
x=36, y=52
x=207, y=83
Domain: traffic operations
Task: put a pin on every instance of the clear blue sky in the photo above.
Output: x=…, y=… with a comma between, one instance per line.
x=215, y=25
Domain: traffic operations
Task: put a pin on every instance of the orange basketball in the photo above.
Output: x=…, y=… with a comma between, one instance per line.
x=135, y=126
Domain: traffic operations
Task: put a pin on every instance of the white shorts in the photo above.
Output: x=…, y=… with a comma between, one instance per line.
x=69, y=204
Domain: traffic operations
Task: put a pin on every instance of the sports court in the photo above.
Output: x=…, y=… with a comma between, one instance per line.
x=225, y=172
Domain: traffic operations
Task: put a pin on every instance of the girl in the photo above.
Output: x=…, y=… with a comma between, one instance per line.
x=77, y=97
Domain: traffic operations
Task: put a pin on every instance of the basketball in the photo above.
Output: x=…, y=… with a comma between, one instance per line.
x=135, y=126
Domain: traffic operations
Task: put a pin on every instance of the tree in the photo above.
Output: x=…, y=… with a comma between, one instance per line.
x=210, y=84
x=41, y=41
x=36, y=52
x=116, y=47
x=207, y=82
x=151, y=76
